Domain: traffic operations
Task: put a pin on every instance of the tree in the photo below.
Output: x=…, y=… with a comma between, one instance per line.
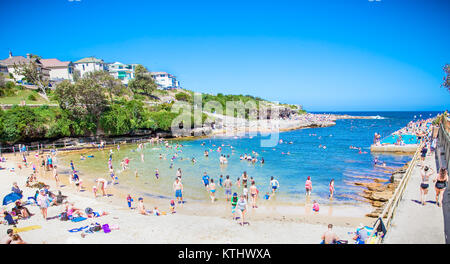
x=143, y=83
x=446, y=82
x=111, y=85
x=83, y=98
x=33, y=74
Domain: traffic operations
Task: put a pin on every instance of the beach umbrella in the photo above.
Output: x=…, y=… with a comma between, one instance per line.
x=11, y=198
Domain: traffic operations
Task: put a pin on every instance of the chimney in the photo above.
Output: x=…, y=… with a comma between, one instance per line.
x=10, y=54
x=28, y=55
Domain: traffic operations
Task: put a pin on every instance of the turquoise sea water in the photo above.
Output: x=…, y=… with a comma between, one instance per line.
x=337, y=161
x=407, y=139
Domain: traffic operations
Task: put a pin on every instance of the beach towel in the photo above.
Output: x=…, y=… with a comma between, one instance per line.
x=78, y=219
x=74, y=230
x=27, y=228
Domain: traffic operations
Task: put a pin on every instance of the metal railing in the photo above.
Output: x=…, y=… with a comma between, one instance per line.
x=393, y=202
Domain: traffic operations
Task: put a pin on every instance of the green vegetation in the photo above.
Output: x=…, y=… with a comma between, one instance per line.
x=143, y=83
x=96, y=102
x=183, y=97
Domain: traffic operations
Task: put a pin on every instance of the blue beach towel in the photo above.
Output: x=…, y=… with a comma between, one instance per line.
x=78, y=219
x=74, y=230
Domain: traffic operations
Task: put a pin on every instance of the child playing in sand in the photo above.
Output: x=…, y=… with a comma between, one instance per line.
x=315, y=206
x=172, y=206
x=155, y=211
x=129, y=200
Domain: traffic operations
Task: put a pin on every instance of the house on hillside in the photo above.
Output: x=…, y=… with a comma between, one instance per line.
x=89, y=64
x=165, y=80
x=123, y=72
x=20, y=60
x=59, y=70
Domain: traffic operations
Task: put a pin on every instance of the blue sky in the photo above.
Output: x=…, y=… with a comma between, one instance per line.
x=333, y=55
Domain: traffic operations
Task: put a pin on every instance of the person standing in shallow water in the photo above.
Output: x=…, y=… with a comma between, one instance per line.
x=331, y=187
x=308, y=186
x=212, y=190
x=178, y=188
x=227, y=184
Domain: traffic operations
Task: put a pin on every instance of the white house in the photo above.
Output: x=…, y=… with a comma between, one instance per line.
x=89, y=64
x=165, y=80
x=20, y=60
x=123, y=72
x=59, y=70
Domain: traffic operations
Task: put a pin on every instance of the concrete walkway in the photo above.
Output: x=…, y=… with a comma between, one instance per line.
x=414, y=223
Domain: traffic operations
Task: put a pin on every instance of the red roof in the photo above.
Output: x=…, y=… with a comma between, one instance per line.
x=49, y=63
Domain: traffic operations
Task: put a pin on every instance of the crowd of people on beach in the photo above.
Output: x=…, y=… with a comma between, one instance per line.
x=246, y=192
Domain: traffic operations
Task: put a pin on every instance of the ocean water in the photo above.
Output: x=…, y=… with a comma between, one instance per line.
x=337, y=161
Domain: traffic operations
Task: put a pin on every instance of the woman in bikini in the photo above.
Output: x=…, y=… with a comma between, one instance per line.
x=254, y=194
x=441, y=184
x=212, y=190
x=425, y=173
x=244, y=178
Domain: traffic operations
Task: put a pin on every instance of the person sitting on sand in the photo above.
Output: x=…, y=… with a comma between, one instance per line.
x=16, y=239
x=141, y=207
x=329, y=237
x=8, y=218
x=8, y=238
x=315, y=206
x=361, y=234
x=21, y=210
x=156, y=212
x=172, y=206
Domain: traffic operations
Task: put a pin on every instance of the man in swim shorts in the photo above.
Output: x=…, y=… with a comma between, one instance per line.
x=274, y=183
x=178, y=188
x=205, y=179
x=329, y=237
x=227, y=186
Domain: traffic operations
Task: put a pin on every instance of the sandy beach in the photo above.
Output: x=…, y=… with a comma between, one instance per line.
x=196, y=222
